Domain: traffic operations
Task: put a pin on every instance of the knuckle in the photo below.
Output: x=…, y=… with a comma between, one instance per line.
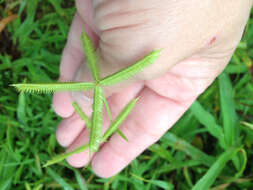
x=145, y=129
x=116, y=150
x=114, y=15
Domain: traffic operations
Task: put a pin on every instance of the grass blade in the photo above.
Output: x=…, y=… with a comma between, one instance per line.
x=176, y=165
x=53, y=87
x=6, y=183
x=62, y=157
x=190, y=150
x=21, y=108
x=208, y=121
x=228, y=110
x=249, y=125
x=80, y=180
x=91, y=56
x=97, y=119
x=131, y=70
x=27, y=186
x=162, y=152
x=59, y=180
x=208, y=179
x=82, y=114
x=120, y=118
x=123, y=136
x=243, y=163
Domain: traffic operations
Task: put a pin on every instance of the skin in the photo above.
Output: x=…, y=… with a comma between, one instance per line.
x=198, y=38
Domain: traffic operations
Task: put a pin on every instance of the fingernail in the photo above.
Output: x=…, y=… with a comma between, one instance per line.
x=81, y=99
x=63, y=79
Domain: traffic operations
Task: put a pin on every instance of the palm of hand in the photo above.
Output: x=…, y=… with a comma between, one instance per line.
x=163, y=99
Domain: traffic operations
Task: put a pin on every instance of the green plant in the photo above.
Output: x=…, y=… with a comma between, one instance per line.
x=95, y=124
x=33, y=44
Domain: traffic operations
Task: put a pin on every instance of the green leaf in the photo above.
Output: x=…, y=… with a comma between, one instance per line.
x=59, y=180
x=38, y=165
x=249, y=125
x=27, y=186
x=159, y=183
x=123, y=136
x=38, y=187
x=187, y=177
x=82, y=114
x=80, y=180
x=21, y=109
x=243, y=163
x=131, y=70
x=209, y=178
x=119, y=119
x=97, y=119
x=162, y=184
x=6, y=183
x=53, y=87
x=57, y=7
x=228, y=110
x=62, y=157
x=162, y=152
x=208, y=121
x=177, y=165
x=91, y=56
x=190, y=150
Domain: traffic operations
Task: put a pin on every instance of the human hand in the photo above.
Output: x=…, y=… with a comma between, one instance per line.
x=198, y=39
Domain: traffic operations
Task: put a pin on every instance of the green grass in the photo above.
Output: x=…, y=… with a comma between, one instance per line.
x=196, y=151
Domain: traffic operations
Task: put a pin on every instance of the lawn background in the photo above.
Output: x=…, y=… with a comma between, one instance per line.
x=211, y=145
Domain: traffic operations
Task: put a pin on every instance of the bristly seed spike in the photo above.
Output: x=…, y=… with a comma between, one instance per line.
x=96, y=122
x=91, y=57
x=53, y=87
x=130, y=71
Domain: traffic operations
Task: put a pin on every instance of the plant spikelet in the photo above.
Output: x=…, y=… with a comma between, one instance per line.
x=63, y=156
x=120, y=118
x=131, y=70
x=82, y=114
x=53, y=87
x=96, y=120
x=91, y=57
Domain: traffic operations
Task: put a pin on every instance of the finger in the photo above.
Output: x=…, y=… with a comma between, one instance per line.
x=116, y=103
x=83, y=158
x=86, y=12
x=66, y=135
x=72, y=57
x=71, y=127
x=150, y=119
